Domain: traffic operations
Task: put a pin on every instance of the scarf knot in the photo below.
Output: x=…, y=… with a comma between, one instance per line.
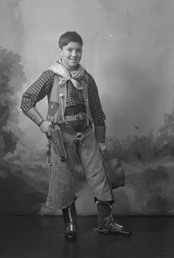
x=59, y=69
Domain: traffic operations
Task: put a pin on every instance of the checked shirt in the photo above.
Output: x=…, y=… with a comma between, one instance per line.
x=42, y=86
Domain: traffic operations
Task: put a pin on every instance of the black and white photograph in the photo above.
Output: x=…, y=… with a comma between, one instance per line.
x=86, y=128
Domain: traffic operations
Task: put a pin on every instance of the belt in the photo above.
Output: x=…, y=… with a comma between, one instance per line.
x=79, y=116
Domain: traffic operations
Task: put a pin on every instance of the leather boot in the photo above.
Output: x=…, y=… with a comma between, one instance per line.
x=69, y=215
x=106, y=224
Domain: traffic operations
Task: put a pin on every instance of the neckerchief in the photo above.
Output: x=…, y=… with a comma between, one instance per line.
x=60, y=69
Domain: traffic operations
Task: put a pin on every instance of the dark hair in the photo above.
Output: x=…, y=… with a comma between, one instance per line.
x=69, y=36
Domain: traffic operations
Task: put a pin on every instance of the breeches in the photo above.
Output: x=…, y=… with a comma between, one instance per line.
x=62, y=184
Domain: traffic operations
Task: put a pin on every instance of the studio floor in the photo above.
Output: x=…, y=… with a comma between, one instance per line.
x=43, y=237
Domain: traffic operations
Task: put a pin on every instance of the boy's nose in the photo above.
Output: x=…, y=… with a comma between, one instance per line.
x=73, y=53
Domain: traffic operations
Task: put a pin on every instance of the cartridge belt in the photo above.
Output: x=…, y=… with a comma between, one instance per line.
x=79, y=116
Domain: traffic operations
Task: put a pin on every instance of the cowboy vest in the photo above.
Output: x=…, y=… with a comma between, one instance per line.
x=57, y=101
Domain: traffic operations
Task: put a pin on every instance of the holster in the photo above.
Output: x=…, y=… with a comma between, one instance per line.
x=56, y=140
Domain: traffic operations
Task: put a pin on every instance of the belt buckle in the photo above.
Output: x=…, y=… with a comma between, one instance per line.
x=79, y=136
x=80, y=116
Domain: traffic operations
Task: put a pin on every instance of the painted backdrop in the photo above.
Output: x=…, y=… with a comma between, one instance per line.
x=129, y=49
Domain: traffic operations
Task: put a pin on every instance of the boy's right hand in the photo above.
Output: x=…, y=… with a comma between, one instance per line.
x=44, y=127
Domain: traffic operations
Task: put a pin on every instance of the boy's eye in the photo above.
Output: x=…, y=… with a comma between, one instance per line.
x=76, y=50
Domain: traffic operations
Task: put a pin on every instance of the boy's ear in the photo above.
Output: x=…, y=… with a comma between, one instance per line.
x=59, y=50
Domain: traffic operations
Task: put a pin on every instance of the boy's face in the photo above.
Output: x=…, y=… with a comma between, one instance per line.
x=71, y=55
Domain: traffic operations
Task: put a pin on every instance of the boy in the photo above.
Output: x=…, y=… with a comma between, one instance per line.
x=75, y=127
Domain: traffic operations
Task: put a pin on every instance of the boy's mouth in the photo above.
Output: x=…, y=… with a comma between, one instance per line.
x=73, y=60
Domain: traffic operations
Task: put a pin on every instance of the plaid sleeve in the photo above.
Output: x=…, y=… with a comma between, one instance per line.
x=37, y=91
x=97, y=113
